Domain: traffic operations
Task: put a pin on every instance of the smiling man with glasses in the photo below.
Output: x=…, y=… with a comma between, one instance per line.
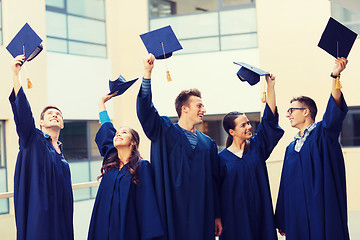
x=312, y=196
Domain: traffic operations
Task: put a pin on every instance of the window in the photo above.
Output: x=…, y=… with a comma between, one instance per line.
x=1, y=23
x=76, y=27
x=80, y=150
x=220, y=24
x=346, y=17
x=350, y=134
x=4, y=203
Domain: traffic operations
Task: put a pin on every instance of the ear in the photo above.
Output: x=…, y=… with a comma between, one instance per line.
x=306, y=113
x=231, y=132
x=41, y=123
x=184, y=109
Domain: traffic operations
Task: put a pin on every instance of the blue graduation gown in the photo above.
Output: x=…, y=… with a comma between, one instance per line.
x=186, y=179
x=312, y=196
x=246, y=205
x=123, y=210
x=43, y=196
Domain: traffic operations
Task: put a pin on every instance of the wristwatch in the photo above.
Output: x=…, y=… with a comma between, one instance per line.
x=333, y=76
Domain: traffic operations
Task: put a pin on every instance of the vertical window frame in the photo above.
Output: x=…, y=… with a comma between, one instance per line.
x=4, y=166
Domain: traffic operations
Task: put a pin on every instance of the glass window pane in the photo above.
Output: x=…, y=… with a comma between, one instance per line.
x=87, y=8
x=199, y=45
x=86, y=30
x=346, y=17
x=80, y=174
x=239, y=41
x=4, y=203
x=2, y=145
x=56, y=45
x=238, y=21
x=55, y=3
x=74, y=139
x=94, y=128
x=184, y=27
x=55, y=24
x=350, y=134
x=161, y=8
x=87, y=49
x=235, y=2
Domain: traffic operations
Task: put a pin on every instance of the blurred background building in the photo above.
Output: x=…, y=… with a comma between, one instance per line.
x=88, y=42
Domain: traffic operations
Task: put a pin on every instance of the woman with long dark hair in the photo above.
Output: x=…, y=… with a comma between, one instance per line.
x=246, y=206
x=125, y=206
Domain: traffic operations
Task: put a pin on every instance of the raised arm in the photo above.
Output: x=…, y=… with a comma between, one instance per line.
x=25, y=124
x=340, y=65
x=103, y=115
x=16, y=67
x=271, y=100
x=149, y=117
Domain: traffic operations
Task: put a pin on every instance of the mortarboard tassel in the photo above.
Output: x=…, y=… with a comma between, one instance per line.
x=338, y=83
x=168, y=77
x=29, y=83
x=337, y=80
x=263, y=99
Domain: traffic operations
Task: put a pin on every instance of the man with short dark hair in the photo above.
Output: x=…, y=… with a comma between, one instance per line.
x=43, y=196
x=185, y=164
x=312, y=196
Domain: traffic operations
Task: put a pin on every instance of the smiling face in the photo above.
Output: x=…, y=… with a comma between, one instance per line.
x=123, y=138
x=297, y=114
x=242, y=129
x=194, y=110
x=52, y=118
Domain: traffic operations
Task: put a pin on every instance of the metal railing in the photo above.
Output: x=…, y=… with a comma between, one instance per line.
x=74, y=186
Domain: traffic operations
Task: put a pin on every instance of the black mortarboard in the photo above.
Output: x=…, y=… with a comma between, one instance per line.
x=27, y=42
x=337, y=39
x=120, y=85
x=161, y=42
x=250, y=73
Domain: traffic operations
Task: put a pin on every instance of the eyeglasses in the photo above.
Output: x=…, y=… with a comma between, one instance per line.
x=290, y=110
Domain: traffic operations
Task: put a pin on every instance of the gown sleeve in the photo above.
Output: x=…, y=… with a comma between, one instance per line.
x=268, y=133
x=151, y=121
x=334, y=117
x=104, y=138
x=24, y=121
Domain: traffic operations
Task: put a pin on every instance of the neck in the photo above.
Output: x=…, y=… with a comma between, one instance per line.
x=237, y=144
x=304, y=126
x=124, y=154
x=53, y=133
x=187, y=125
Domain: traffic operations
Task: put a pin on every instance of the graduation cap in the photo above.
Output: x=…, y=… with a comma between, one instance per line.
x=120, y=85
x=161, y=42
x=337, y=40
x=250, y=73
x=26, y=42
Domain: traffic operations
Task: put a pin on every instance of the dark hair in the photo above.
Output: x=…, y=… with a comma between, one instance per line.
x=182, y=98
x=309, y=103
x=47, y=108
x=229, y=123
x=113, y=161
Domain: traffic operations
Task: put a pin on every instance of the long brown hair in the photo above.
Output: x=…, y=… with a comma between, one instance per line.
x=113, y=161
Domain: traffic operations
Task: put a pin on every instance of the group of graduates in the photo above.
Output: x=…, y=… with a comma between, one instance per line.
x=189, y=191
